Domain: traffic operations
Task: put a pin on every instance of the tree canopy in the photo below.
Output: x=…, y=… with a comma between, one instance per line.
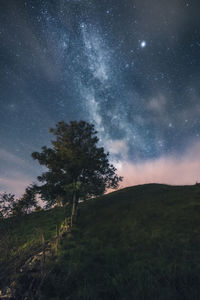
x=9, y=206
x=7, y=202
x=76, y=165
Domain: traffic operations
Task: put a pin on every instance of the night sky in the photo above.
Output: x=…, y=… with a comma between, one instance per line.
x=131, y=67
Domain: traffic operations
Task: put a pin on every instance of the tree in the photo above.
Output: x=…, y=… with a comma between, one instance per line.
x=9, y=206
x=77, y=167
x=7, y=202
x=26, y=203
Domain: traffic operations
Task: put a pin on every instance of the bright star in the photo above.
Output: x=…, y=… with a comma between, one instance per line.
x=143, y=44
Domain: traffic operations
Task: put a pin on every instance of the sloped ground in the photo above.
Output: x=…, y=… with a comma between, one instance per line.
x=141, y=242
x=21, y=238
x=137, y=243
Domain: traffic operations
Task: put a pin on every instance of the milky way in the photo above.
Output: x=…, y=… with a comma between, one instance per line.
x=129, y=67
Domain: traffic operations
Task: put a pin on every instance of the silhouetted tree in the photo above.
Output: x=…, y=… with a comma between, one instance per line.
x=9, y=206
x=26, y=203
x=77, y=167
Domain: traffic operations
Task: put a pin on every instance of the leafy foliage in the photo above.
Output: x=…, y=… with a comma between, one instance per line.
x=7, y=203
x=76, y=165
x=9, y=206
x=26, y=203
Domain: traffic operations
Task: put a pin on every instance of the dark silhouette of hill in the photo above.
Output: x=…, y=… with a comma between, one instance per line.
x=140, y=242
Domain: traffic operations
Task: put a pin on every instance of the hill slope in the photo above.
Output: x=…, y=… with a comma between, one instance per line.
x=20, y=238
x=140, y=242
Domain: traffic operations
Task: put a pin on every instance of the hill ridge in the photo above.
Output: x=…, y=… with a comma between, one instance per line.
x=139, y=242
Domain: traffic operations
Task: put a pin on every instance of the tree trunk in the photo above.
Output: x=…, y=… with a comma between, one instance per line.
x=74, y=204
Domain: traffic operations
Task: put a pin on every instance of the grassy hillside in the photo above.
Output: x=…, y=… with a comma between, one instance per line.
x=20, y=238
x=140, y=242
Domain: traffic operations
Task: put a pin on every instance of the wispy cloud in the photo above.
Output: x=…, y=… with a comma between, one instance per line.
x=8, y=157
x=15, y=173
x=173, y=169
x=15, y=184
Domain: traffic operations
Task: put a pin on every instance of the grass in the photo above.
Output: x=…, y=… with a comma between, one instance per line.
x=21, y=238
x=140, y=242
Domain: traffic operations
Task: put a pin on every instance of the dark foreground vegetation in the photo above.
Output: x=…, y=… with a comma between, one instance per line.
x=21, y=237
x=140, y=242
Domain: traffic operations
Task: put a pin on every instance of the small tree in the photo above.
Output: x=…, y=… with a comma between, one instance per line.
x=7, y=202
x=77, y=167
x=9, y=206
x=26, y=203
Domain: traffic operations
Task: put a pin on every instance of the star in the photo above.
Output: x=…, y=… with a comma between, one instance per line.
x=143, y=44
x=122, y=66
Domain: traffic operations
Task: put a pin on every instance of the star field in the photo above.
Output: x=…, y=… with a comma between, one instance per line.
x=130, y=67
